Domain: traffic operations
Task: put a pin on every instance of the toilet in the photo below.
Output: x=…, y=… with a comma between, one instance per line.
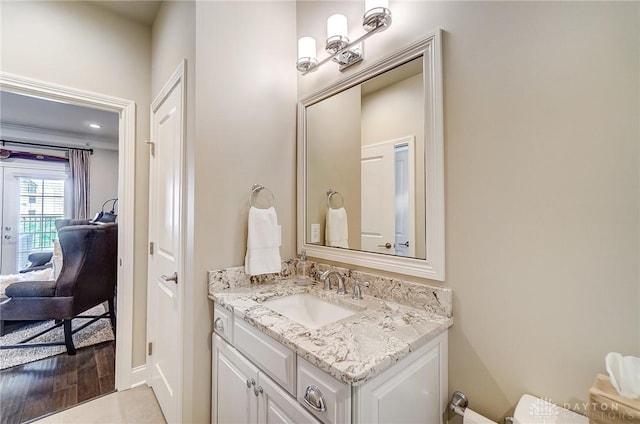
x=533, y=410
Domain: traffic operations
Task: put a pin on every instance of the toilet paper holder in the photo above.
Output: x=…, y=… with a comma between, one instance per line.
x=459, y=403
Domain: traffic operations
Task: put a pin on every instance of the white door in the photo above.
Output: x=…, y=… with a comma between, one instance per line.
x=382, y=206
x=164, y=304
x=33, y=198
x=9, y=217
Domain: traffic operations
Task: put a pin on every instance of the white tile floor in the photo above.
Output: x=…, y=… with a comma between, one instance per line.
x=138, y=405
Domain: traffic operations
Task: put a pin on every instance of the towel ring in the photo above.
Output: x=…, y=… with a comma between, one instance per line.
x=257, y=188
x=330, y=193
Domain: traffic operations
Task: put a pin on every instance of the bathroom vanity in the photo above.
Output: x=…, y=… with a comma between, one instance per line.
x=381, y=362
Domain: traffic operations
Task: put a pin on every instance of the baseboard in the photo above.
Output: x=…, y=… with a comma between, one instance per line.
x=138, y=376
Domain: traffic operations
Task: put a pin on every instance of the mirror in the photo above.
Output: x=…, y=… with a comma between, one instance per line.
x=371, y=166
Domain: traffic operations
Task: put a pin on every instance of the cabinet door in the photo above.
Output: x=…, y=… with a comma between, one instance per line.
x=409, y=392
x=275, y=406
x=234, y=381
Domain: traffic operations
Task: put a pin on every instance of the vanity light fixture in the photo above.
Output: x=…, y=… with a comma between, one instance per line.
x=377, y=18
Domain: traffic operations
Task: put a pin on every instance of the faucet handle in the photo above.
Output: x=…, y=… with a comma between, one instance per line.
x=357, y=293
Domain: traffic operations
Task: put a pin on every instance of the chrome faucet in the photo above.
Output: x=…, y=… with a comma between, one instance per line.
x=357, y=292
x=326, y=277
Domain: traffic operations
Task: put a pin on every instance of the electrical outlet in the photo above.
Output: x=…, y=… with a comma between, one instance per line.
x=315, y=233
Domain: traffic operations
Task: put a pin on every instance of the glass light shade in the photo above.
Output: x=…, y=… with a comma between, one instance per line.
x=372, y=4
x=306, y=47
x=337, y=25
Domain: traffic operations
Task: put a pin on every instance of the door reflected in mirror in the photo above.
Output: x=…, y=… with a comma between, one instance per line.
x=365, y=173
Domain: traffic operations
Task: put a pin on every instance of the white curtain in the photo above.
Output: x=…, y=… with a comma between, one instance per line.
x=79, y=166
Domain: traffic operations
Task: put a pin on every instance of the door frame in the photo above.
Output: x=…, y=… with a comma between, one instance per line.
x=126, y=110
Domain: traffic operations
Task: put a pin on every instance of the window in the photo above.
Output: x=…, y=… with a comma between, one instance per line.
x=41, y=203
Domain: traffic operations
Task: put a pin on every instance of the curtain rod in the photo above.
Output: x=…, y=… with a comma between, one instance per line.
x=46, y=146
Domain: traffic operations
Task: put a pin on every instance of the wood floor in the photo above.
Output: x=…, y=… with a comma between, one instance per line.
x=52, y=384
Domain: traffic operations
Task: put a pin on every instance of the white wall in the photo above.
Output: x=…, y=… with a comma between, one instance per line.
x=241, y=130
x=333, y=149
x=104, y=179
x=542, y=202
x=83, y=46
x=245, y=134
x=394, y=112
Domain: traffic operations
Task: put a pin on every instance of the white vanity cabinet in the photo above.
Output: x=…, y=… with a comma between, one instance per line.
x=256, y=379
x=244, y=394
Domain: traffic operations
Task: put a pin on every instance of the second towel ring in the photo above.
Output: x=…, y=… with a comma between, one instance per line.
x=257, y=188
x=330, y=193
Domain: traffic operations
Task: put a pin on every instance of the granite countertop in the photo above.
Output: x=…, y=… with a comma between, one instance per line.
x=354, y=349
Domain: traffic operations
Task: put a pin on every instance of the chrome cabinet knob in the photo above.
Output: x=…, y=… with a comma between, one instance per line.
x=250, y=382
x=218, y=324
x=314, y=399
x=258, y=390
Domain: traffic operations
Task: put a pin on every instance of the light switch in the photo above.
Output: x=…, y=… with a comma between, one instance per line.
x=315, y=233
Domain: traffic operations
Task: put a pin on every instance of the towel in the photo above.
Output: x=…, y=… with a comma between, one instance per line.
x=263, y=242
x=336, y=232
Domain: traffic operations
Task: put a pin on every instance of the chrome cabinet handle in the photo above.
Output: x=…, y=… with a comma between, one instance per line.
x=257, y=390
x=250, y=382
x=386, y=245
x=218, y=324
x=173, y=277
x=7, y=237
x=314, y=399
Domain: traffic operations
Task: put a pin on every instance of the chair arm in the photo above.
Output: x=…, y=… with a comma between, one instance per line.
x=31, y=289
x=39, y=258
x=35, y=268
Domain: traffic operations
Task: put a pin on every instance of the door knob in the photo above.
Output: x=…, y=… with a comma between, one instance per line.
x=173, y=278
x=406, y=244
x=218, y=324
x=386, y=245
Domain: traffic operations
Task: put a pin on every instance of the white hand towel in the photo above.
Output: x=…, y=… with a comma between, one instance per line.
x=263, y=242
x=336, y=232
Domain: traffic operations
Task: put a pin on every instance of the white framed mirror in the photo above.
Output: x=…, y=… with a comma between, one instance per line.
x=371, y=166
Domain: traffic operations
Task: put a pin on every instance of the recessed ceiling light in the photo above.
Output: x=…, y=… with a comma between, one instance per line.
x=95, y=126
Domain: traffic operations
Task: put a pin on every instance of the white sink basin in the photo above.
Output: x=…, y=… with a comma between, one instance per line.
x=308, y=310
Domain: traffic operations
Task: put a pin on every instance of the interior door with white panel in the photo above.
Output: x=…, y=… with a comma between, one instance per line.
x=165, y=298
x=388, y=197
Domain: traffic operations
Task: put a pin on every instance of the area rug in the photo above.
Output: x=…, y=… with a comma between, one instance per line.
x=98, y=332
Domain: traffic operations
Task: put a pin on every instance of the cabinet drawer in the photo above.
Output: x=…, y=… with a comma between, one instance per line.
x=276, y=360
x=335, y=395
x=223, y=322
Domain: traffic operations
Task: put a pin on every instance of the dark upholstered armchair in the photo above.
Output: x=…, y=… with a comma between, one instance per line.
x=88, y=278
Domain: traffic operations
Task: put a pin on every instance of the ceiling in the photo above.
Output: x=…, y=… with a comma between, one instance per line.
x=140, y=11
x=31, y=113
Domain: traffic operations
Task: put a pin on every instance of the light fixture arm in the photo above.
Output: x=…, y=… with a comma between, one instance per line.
x=347, y=49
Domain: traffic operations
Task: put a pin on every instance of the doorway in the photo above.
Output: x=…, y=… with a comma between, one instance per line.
x=125, y=109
